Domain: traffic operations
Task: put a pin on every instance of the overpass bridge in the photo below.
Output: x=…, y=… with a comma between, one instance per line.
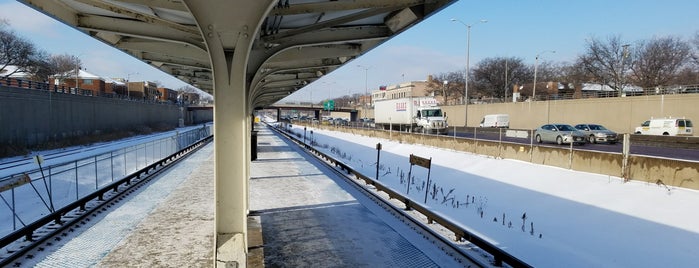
x=315, y=109
x=249, y=55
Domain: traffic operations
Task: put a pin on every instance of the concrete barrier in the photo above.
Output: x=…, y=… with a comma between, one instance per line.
x=664, y=172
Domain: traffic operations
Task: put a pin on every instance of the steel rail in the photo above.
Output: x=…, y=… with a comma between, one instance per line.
x=62, y=219
x=499, y=255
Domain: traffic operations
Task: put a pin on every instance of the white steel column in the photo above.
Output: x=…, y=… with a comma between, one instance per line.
x=228, y=28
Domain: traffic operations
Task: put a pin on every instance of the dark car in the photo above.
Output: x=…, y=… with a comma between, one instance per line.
x=560, y=134
x=597, y=133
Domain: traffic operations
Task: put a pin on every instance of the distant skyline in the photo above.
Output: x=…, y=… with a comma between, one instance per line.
x=437, y=45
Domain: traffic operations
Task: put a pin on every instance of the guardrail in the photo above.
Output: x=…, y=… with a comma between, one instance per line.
x=498, y=254
x=28, y=232
x=627, y=165
x=54, y=186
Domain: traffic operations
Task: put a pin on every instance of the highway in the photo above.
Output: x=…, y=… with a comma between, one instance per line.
x=656, y=151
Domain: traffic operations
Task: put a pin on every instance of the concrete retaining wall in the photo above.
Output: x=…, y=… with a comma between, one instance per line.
x=30, y=117
x=619, y=114
x=642, y=168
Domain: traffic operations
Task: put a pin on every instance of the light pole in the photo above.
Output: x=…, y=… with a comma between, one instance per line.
x=444, y=92
x=536, y=65
x=366, y=85
x=468, y=48
x=504, y=98
x=624, y=55
x=128, y=79
x=77, y=73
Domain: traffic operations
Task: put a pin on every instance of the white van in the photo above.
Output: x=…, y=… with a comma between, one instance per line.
x=666, y=126
x=496, y=120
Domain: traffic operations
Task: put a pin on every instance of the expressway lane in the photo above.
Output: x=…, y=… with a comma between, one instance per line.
x=655, y=151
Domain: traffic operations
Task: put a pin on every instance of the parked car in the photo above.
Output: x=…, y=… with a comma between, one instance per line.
x=597, y=133
x=560, y=134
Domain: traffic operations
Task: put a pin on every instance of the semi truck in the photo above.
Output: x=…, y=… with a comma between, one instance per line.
x=413, y=114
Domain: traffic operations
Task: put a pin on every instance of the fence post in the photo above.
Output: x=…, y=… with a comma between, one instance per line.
x=625, y=156
x=378, y=157
x=96, y=176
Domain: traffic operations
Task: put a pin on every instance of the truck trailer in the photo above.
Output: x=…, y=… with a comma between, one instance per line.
x=413, y=114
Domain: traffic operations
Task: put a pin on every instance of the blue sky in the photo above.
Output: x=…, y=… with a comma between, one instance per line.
x=515, y=28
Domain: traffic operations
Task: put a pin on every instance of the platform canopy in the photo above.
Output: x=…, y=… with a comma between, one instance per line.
x=295, y=41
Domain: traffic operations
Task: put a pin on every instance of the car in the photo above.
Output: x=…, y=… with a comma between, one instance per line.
x=597, y=133
x=666, y=126
x=560, y=134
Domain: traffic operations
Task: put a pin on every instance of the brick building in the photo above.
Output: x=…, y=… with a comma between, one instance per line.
x=167, y=95
x=143, y=90
x=84, y=81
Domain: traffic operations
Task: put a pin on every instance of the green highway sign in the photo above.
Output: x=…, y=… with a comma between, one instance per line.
x=329, y=105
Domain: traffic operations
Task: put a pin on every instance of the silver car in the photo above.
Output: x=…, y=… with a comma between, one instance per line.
x=597, y=133
x=560, y=134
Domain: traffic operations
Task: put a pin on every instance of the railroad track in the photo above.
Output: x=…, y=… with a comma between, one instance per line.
x=21, y=245
x=465, y=247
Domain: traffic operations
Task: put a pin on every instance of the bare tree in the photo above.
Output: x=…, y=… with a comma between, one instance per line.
x=187, y=89
x=658, y=61
x=63, y=66
x=496, y=76
x=606, y=61
x=686, y=76
x=453, y=89
x=16, y=51
x=695, y=48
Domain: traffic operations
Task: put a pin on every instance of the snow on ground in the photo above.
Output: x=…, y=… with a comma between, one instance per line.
x=97, y=166
x=579, y=219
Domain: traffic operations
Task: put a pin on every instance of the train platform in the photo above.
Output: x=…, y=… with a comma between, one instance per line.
x=301, y=215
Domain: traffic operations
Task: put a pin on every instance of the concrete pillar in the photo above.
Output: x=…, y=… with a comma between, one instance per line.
x=229, y=45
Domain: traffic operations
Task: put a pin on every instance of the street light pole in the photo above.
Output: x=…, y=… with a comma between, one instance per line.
x=77, y=74
x=536, y=63
x=624, y=55
x=468, y=48
x=444, y=92
x=128, y=79
x=366, y=84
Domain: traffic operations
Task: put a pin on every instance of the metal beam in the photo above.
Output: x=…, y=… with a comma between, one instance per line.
x=330, y=23
x=140, y=16
x=138, y=29
x=317, y=52
x=307, y=8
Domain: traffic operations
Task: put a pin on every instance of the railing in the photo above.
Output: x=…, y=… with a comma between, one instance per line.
x=498, y=254
x=96, y=200
x=47, y=189
x=62, y=89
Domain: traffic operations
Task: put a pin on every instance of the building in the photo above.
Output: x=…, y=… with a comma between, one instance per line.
x=143, y=90
x=189, y=98
x=14, y=73
x=167, y=95
x=84, y=83
x=114, y=86
x=403, y=90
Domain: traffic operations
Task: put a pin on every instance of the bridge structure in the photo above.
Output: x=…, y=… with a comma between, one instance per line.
x=249, y=55
x=315, y=109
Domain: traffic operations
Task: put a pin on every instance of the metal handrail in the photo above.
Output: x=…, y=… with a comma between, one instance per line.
x=28, y=231
x=498, y=254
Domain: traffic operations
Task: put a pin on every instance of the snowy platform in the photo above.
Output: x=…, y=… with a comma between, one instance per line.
x=310, y=219
x=300, y=217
